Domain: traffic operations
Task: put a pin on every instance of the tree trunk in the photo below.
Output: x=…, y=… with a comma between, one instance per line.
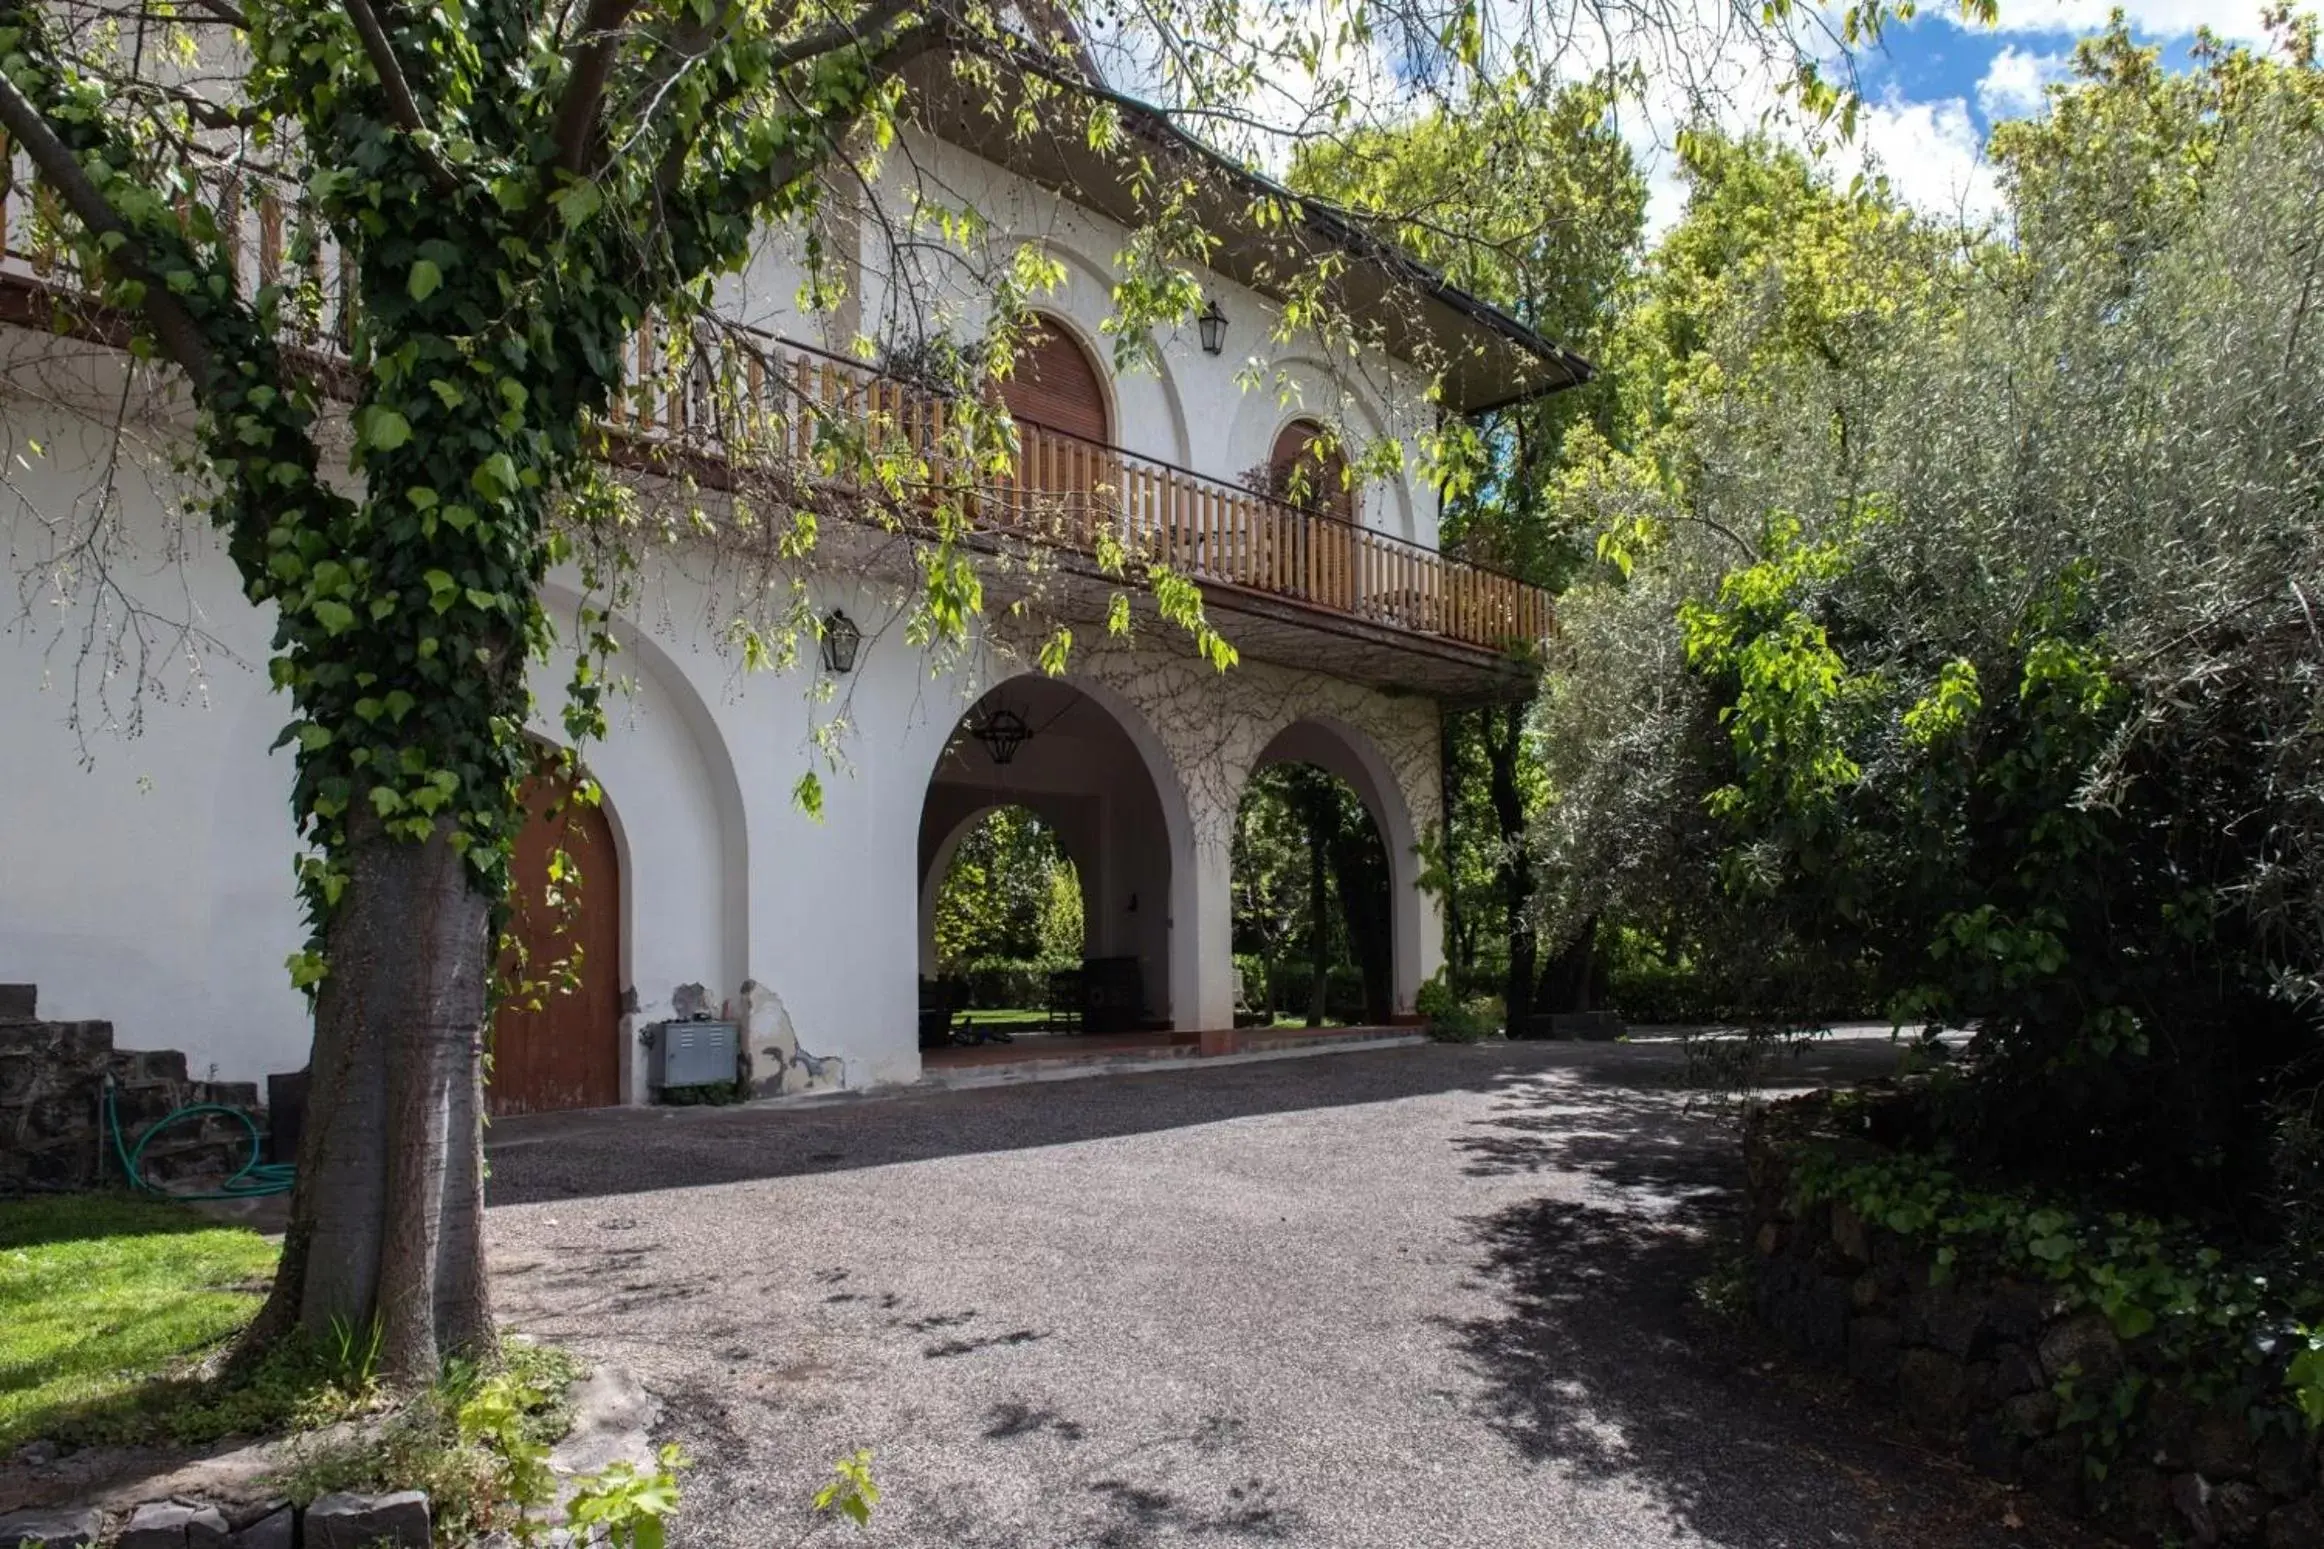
x=386, y=1218
x=463, y=1295
x=1318, y=916
x=1360, y=867
x=1504, y=740
x=1566, y=980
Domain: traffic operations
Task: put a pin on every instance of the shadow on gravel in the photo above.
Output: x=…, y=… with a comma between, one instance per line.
x=614, y=1151
x=1599, y=1361
x=633, y=1150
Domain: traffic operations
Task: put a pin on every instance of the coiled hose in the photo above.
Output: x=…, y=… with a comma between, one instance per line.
x=253, y=1180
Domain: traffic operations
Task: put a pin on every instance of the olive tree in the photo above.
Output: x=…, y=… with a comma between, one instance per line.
x=1976, y=590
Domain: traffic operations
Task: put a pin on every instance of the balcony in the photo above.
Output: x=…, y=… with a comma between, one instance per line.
x=755, y=404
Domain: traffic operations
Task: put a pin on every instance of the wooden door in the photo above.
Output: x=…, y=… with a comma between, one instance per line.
x=1055, y=385
x=1058, y=400
x=1313, y=478
x=567, y=1053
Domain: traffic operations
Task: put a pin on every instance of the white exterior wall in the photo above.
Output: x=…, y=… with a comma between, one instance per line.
x=1215, y=415
x=151, y=886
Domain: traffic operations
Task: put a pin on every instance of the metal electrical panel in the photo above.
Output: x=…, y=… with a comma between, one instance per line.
x=692, y=1054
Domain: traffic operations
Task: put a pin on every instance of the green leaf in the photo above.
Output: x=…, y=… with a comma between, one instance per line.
x=425, y=278
x=577, y=203
x=384, y=430
x=333, y=615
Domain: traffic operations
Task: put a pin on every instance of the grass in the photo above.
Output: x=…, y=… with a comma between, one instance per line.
x=102, y=1296
x=1005, y=1016
x=113, y=1310
x=436, y=1443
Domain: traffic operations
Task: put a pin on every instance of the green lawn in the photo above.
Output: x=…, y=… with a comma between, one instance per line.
x=101, y=1293
x=1019, y=1016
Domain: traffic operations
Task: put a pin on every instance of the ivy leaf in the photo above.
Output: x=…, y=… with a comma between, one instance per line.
x=425, y=279
x=333, y=615
x=384, y=430
x=577, y=203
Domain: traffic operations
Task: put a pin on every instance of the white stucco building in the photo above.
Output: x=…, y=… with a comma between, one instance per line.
x=146, y=847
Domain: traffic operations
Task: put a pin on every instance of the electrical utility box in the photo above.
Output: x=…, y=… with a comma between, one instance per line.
x=692, y=1054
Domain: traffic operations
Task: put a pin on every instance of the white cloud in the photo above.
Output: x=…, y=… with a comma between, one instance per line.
x=2012, y=87
x=2238, y=20
x=1931, y=153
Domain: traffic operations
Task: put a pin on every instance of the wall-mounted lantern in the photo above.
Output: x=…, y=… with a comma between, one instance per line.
x=1002, y=731
x=1213, y=325
x=840, y=639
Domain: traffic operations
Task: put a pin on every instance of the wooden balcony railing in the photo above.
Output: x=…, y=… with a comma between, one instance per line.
x=1066, y=489
x=751, y=396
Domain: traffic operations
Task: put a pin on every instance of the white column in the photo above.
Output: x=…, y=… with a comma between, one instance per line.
x=1202, y=934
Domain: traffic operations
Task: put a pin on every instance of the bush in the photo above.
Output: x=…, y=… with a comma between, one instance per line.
x=1996, y=663
x=1343, y=998
x=1454, y=1017
x=1650, y=981
x=995, y=983
x=2211, y=1324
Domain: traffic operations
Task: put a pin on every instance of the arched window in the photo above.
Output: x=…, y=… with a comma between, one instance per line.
x=1056, y=385
x=1309, y=472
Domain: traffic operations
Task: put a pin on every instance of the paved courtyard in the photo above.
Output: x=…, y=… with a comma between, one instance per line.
x=1408, y=1297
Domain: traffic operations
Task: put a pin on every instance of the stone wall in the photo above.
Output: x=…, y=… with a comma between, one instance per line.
x=1985, y=1365
x=52, y=1087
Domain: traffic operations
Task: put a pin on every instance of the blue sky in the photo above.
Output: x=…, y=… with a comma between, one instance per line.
x=1932, y=59
x=1937, y=85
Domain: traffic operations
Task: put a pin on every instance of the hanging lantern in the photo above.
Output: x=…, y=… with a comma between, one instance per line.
x=840, y=639
x=1213, y=324
x=1002, y=731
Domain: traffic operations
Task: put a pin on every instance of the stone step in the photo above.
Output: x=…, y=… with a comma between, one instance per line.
x=19, y=1002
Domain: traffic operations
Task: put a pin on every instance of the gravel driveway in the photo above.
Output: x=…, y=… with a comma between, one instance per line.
x=1420, y=1296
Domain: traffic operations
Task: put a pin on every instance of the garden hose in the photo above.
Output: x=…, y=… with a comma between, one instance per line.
x=253, y=1180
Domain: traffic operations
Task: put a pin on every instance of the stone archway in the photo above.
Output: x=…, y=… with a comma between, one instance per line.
x=1087, y=769
x=1346, y=752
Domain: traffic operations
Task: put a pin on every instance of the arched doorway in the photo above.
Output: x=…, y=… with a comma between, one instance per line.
x=1066, y=472
x=556, y=1042
x=1047, y=749
x=1381, y=923
x=1056, y=385
x=1311, y=902
x=1307, y=471
x=1007, y=922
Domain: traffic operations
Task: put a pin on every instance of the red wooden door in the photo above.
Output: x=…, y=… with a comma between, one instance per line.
x=566, y=1053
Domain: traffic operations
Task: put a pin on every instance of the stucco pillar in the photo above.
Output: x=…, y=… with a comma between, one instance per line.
x=1202, y=934
x=1420, y=946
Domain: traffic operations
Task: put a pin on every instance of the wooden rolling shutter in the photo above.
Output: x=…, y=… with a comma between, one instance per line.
x=1320, y=476
x=1056, y=386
